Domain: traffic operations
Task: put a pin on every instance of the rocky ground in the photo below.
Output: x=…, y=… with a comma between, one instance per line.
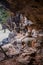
x=14, y=62
x=28, y=56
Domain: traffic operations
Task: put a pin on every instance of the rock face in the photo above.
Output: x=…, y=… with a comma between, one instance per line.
x=33, y=9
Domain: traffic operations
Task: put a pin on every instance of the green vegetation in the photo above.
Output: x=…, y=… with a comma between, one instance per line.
x=3, y=14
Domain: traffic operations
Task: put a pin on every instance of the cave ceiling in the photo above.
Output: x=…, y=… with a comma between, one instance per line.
x=33, y=9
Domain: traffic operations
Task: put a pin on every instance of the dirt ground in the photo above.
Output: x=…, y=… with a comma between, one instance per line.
x=9, y=62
